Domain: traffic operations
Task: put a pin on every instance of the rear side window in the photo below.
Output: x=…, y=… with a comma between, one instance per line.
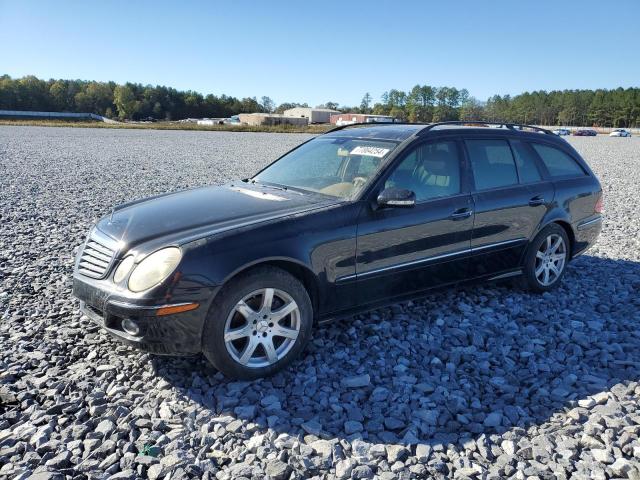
x=527, y=169
x=492, y=163
x=557, y=162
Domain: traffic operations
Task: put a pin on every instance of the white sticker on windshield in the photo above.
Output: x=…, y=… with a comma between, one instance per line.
x=370, y=151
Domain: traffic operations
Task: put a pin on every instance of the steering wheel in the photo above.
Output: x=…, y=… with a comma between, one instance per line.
x=359, y=181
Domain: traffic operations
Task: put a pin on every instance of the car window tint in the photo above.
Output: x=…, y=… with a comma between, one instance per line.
x=431, y=170
x=492, y=163
x=527, y=169
x=557, y=162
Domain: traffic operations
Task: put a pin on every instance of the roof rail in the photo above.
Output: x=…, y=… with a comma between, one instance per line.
x=429, y=126
x=510, y=126
x=373, y=124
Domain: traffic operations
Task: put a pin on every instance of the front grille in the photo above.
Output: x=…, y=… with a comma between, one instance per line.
x=96, y=259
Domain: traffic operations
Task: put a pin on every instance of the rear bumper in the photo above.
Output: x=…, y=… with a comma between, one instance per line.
x=175, y=334
x=586, y=233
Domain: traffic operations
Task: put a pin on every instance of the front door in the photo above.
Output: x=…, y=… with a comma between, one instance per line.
x=510, y=199
x=406, y=250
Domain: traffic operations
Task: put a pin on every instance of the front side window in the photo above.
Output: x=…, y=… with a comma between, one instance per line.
x=431, y=170
x=557, y=162
x=492, y=164
x=339, y=167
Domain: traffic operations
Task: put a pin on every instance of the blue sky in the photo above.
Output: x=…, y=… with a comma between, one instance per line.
x=312, y=51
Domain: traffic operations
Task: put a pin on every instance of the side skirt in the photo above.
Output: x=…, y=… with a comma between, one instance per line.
x=409, y=296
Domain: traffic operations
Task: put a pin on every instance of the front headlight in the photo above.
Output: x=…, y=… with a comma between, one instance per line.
x=154, y=269
x=123, y=269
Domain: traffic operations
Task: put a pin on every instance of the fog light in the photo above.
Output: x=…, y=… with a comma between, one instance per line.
x=130, y=327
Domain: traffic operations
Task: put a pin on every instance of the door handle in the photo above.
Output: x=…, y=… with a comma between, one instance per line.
x=461, y=213
x=536, y=201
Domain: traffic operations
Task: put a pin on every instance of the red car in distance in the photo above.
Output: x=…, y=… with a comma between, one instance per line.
x=585, y=132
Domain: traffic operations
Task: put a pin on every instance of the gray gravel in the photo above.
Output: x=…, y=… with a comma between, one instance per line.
x=477, y=382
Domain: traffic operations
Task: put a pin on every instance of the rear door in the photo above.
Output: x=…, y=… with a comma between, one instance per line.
x=510, y=199
x=405, y=250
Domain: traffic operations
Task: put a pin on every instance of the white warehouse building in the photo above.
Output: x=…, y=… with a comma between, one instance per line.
x=314, y=115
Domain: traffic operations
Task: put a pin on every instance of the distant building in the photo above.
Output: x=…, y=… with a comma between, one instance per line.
x=347, y=118
x=256, y=119
x=314, y=115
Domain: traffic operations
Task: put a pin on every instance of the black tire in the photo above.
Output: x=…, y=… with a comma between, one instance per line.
x=530, y=280
x=214, y=346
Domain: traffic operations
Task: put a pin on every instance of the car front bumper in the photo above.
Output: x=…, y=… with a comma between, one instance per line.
x=173, y=334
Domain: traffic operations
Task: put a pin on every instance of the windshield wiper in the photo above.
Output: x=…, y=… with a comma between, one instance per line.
x=276, y=186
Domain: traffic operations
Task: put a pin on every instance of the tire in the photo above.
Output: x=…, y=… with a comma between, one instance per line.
x=243, y=336
x=544, y=267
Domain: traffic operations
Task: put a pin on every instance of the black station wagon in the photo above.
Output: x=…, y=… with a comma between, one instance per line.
x=361, y=216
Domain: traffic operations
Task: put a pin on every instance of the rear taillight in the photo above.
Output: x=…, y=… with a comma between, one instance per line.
x=599, y=205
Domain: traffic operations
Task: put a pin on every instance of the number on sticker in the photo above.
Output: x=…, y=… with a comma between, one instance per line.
x=370, y=151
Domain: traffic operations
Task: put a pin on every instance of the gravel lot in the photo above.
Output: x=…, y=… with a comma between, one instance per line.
x=477, y=382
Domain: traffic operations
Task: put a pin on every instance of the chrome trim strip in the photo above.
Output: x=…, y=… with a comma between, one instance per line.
x=402, y=265
x=506, y=275
x=582, y=226
x=498, y=244
x=424, y=260
x=346, y=278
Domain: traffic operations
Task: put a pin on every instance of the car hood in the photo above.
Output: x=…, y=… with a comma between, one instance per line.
x=190, y=214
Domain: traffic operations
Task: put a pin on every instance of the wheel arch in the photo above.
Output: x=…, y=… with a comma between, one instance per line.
x=570, y=234
x=566, y=226
x=292, y=266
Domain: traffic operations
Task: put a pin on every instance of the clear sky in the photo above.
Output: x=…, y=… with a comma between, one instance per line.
x=318, y=51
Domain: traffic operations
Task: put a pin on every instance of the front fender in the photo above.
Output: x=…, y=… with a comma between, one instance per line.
x=323, y=244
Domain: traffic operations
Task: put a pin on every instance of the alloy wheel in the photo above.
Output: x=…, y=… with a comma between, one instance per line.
x=550, y=259
x=262, y=328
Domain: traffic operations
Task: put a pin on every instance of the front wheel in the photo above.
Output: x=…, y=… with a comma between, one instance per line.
x=258, y=324
x=546, y=259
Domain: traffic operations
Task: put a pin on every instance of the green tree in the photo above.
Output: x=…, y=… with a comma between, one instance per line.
x=267, y=104
x=471, y=109
x=329, y=105
x=397, y=112
x=365, y=104
x=124, y=101
x=420, y=103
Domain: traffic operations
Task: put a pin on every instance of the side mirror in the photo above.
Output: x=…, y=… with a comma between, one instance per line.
x=396, y=197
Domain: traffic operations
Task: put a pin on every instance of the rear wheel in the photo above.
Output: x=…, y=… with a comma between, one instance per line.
x=546, y=259
x=258, y=324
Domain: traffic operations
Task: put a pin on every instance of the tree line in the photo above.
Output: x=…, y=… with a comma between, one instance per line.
x=131, y=101
x=423, y=103
x=604, y=108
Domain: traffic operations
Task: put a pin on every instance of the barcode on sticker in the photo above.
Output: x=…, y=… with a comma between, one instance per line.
x=370, y=151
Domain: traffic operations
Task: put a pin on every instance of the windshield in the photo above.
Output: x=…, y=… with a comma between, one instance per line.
x=339, y=167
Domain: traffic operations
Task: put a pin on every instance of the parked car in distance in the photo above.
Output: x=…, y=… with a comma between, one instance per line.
x=620, y=132
x=362, y=216
x=562, y=131
x=585, y=132
x=233, y=120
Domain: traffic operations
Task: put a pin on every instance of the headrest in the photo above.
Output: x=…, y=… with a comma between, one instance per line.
x=438, y=163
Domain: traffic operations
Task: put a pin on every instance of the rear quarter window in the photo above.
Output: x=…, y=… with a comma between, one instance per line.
x=557, y=162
